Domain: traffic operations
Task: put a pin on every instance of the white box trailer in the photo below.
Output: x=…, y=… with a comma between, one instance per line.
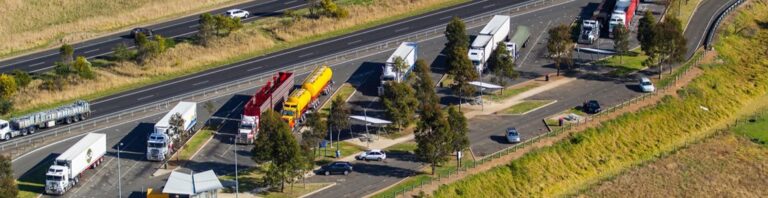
x=497, y=30
x=67, y=168
x=408, y=52
x=160, y=141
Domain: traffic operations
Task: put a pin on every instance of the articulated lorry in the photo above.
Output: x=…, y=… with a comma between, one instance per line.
x=69, y=166
x=497, y=30
x=518, y=41
x=406, y=51
x=181, y=119
x=318, y=82
x=623, y=13
x=29, y=123
x=273, y=93
x=592, y=27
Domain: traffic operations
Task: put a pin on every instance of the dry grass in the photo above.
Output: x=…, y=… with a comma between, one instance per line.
x=724, y=166
x=255, y=39
x=31, y=24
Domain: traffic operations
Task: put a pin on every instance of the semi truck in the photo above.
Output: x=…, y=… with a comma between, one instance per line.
x=589, y=32
x=593, y=26
x=273, y=93
x=28, y=124
x=497, y=30
x=165, y=134
x=69, y=166
x=623, y=13
x=518, y=41
x=406, y=51
x=318, y=82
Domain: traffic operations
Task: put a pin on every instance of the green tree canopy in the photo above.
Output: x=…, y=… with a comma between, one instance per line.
x=8, y=86
x=7, y=181
x=400, y=103
x=278, y=149
x=560, y=46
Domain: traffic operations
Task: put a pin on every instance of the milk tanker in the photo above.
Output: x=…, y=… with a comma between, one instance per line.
x=302, y=99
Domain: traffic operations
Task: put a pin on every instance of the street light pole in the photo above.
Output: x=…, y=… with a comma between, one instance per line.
x=119, y=172
x=237, y=182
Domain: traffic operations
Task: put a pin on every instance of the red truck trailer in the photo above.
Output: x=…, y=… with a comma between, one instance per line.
x=269, y=96
x=622, y=14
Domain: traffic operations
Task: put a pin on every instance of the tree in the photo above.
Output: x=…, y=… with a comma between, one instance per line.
x=329, y=8
x=459, y=129
x=317, y=130
x=62, y=69
x=463, y=72
x=433, y=136
x=7, y=181
x=339, y=116
x=277, y=148
x=501, y=64
x=22, y=78
x=621, y=41
x=670, y=33
x=8, y=86
x=122, y=53
x=424, y=86
x=206, y=30
x=456, y=33
x=82, y=67
x=400, y=103
x=5, y=106
x=560, y=46
x=645, y=32
x=400, y=67
x=314, y=7
x=67, y=53
x=140, y=40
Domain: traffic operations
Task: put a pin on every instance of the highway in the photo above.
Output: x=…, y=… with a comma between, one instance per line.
x=137, y=169
x=185, y=26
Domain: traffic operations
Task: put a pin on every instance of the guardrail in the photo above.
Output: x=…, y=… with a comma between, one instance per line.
x=21, y=145
x=568, y=127
x=713, y=28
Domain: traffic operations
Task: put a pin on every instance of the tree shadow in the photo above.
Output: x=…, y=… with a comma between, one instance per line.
x=378, y=169
x=762, y=24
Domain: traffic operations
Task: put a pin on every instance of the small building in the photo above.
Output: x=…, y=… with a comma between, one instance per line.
x=195, y=185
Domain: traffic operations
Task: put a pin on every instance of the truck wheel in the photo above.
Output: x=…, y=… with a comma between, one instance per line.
x=23, y=132
x=82, y=117
x=68, y=120
x=7, y=136
x=31, y=130
x=76, y=118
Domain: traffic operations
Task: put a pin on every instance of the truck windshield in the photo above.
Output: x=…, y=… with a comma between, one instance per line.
x=288, y=113
x=53, y=178
x=156, y=145
x=475, y=62
x=246, y=126
x=387, y=78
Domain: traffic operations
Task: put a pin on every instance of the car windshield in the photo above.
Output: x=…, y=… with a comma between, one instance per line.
x=645, y=83
x=53, y=178
x=512, y=133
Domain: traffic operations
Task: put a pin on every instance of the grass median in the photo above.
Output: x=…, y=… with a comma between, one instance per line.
x=264, y=36
x=504, y=94
x=526, y=106
x=194, y=144
x=710, y=101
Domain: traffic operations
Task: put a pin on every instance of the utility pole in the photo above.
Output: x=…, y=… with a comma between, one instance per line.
x=237, y=182
x=119, y=172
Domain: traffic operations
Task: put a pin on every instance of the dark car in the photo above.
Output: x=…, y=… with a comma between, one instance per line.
x=337, y=167
x=591, y=107
x=147, y=32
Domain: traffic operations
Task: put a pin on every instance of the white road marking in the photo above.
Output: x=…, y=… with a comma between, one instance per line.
x=194, y=26
x=200, y=83
x=289, y=2
x=402, y=29
x=353, y=42
x=447, y=17
x=145, y=97
x=305, y=55
x=534, y=44
x=89, y=51
x=255, y=68
x=36, y=64
x=489, y=5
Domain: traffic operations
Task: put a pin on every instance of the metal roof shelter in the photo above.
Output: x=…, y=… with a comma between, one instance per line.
x=196, y=185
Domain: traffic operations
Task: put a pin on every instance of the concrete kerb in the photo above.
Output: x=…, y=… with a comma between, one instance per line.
x=318, y=190
x=532, y=110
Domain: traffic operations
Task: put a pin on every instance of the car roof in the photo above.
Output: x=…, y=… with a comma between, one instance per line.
x=374, y=150
x=234, y=10
x=645, y=79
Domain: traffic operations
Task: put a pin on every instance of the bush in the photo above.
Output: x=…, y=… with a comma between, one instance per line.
x=7, y=86
x=122, y=53
x=22, y=78
x=5, y=106
x=82, y=67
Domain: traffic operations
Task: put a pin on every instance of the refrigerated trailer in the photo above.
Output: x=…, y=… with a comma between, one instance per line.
x=165, y=134
x=67, y=167
x=497, y=30
x=623, y=13
x=273, y=93
x=29, y=123
x=406, y=51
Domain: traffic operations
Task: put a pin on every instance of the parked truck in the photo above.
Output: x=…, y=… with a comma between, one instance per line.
x=623, y=13
x=302, y=99
x=67, y=167
x=273, y=93
x=29, y=123
x=497, y=30
x=589, y=32
x=165, y=134
x=406, y=51
x=518, y=41
x=593, y=26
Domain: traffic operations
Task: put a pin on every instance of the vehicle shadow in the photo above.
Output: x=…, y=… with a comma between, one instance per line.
x=134, y=143
x=34, y=179
x=499, y=139
x=378, y=169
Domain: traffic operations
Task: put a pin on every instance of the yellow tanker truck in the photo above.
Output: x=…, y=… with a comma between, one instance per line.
x=318, y=82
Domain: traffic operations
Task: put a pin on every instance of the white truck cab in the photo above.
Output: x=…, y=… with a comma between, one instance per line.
x=57, y=180
x=158, y=146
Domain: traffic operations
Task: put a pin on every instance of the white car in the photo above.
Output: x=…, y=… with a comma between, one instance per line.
x=375, y=154
x=646, y=85
x=237, y=13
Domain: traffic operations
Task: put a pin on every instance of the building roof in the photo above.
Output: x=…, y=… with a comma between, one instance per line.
x=192, y=184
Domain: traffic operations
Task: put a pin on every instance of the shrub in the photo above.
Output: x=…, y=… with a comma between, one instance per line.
x=22, y=78
x=7, y=86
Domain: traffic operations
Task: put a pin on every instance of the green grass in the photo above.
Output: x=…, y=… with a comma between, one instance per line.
x=248, y=179
x=683, y=11
x=595, y=154
x=242, y=57
x=667, y=78
x=423, y=177
x=507, y=93
x=756, y=129
x=346, y=148
x=633, y=61
x=194, y=144
x=344, y=91
x=447, y=81
x=525, y=106
x=297, y=190
x=405, y=147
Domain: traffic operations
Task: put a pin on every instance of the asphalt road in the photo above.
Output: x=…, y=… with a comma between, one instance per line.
x=44, y=60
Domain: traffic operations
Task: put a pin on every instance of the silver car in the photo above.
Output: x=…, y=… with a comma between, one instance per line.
x=646, y=85
x=512, y=135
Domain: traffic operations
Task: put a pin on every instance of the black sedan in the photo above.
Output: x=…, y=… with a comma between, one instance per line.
x=147, y=32
x=337, y=167
x=591, y=107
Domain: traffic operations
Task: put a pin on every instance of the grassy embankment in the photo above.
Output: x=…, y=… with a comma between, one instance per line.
x=255, y=39
x=525, y=106
x=634, y=60
x=501, y=95
x=424, y=175
x=34, y=25
x=727, y=165
x=634, y=138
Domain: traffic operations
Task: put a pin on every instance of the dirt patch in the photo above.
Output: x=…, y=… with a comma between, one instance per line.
x=683, y=80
